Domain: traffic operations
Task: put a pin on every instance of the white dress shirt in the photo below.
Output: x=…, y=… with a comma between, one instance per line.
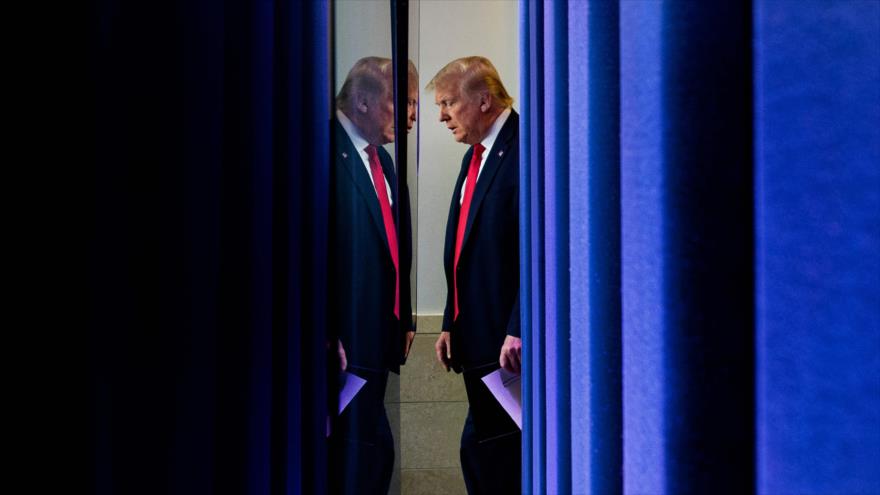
x=487, y=143
x=361, y=144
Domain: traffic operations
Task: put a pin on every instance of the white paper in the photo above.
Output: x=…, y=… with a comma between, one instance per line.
x=506, y=387
x=351, y=385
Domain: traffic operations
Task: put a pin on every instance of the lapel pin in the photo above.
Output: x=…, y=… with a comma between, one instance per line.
x=501, y=153
x=344, y=155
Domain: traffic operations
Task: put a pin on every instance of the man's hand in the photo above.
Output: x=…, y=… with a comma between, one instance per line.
x=343, y=362
x=511, y=354
x=443, y=347
x=407, y=344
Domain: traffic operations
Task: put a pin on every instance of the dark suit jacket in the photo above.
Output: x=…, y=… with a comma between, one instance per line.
x=361, y=272
x=488, y=269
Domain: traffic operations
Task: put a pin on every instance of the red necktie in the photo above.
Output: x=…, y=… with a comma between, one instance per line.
x=473, y=171
x=390, y=231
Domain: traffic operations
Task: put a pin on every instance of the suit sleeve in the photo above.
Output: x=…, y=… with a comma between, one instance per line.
x=448, y=265
x=448, y=312
x=451, y=221
x=513, y=325
x=405, y=235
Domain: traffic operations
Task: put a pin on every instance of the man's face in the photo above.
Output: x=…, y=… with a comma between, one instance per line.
x=375, y=117
x=411, y=106
x=461, y=113
x=383, y=117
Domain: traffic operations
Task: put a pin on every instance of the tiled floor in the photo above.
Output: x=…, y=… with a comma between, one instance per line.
x=426, y=407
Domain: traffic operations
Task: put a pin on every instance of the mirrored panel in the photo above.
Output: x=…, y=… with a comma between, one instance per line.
x=371, y=282
x=454, y=66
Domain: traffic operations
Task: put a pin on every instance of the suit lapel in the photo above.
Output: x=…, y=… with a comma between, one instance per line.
x=351, y=161
x=498, y=154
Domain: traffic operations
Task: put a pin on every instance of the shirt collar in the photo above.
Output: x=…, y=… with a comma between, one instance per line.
x=356, y=139
x=490, y=138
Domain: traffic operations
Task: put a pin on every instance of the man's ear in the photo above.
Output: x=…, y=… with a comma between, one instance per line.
x=362, y=102
x=485, y=101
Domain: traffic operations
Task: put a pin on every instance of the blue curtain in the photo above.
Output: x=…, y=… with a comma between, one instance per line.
x=700, y=230
x=207, y=254
x=567, y=125
x=817, y=206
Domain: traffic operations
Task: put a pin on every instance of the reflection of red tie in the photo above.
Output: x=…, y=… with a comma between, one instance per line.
x=390, y=231
x=463, y=214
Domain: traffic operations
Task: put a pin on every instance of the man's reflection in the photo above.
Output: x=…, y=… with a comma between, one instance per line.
x=369, y=297
x=481, y=322
x=412, y=100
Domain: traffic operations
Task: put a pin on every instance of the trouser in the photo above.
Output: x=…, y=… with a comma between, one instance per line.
x=490, y=441
x=361, y=445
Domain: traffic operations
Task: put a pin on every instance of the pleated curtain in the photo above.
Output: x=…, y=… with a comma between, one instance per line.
x=700, y=234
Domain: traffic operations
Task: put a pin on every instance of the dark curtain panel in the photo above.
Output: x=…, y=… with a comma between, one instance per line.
x=207, y=258
x=703, y=183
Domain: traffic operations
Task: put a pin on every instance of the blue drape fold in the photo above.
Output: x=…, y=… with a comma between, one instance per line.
x=699, y=235
x=570, y=233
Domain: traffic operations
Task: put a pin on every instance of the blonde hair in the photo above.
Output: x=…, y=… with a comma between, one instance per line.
x=474, y=74
x=371, y=75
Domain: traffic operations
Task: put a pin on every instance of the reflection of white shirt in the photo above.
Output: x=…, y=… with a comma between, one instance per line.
x=361, y=144
x=487, y=143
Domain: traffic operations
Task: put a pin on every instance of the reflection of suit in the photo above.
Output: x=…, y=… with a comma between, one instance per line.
x=361, y=281
x=361, y=287
x=488, y=284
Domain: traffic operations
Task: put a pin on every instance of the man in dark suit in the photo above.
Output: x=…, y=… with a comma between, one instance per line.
x=481, y=321
x=370, y=314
